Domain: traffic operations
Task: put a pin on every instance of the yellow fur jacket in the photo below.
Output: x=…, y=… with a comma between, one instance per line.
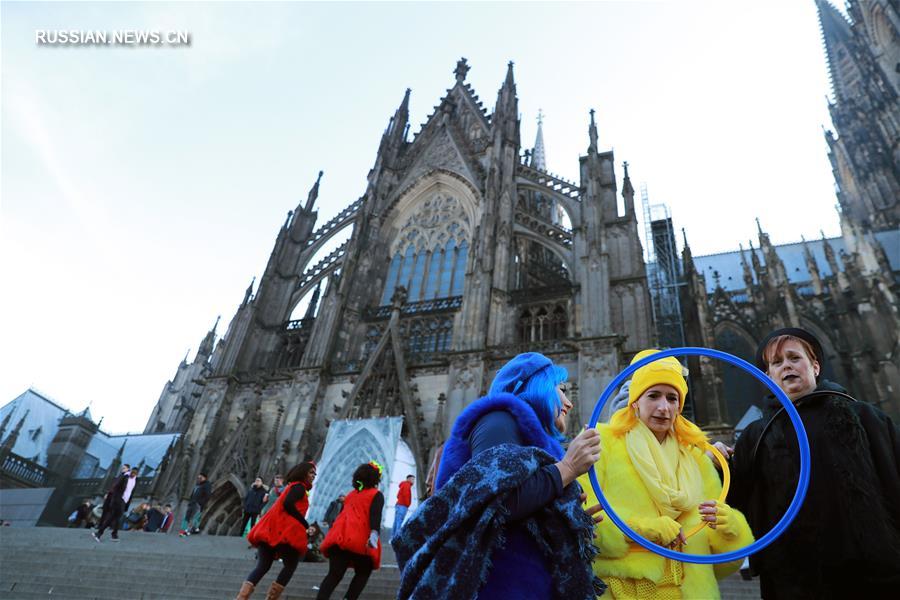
x=627, y=495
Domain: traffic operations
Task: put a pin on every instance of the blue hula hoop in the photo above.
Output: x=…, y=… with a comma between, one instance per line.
x=799, y=494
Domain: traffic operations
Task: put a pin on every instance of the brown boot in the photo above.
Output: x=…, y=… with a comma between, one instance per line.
x=246, y=589
x=275, y=590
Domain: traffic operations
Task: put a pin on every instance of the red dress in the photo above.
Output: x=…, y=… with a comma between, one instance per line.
x=351, y=529
x=277, y=527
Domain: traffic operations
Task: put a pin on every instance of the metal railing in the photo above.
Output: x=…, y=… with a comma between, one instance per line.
x=24, y=470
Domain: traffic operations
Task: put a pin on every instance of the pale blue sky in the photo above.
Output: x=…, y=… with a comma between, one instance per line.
x=142, y=188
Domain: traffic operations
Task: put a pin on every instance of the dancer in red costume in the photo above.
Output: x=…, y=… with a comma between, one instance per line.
x=281, y=533
x=353, y=539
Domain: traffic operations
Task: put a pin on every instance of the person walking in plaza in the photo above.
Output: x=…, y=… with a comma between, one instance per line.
x=506, y=518
x=115, y=503
x=199, y=497
x=656, y=475
x=334, y=509
x=404, y=499
x=845, y=541
x=281, y=533
x=353, y=540
x=254, y=502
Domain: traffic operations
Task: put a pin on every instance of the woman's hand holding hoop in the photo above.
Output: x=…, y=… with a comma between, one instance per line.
x=581, y=455
x=718, y=516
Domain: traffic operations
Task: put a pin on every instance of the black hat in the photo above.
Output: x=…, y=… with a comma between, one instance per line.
x=795, y=332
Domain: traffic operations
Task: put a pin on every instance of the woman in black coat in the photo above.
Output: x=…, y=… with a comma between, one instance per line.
x=845, y=541
x=254, y=502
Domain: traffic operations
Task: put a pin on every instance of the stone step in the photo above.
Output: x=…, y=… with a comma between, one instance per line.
x=24, y=565
x=151, y=584
x=96, y=592
x=69, y=564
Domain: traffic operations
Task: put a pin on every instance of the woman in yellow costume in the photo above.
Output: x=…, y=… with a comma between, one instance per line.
x=657, y=477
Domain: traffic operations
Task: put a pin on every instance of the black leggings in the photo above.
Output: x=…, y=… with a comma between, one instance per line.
x=265, y=556
x=338, y=562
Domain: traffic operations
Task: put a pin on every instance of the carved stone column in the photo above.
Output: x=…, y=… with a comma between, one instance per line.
x=465, y=377
x=599, y=361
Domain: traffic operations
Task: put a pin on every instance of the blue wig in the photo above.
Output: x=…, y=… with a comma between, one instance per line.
x=534, y=379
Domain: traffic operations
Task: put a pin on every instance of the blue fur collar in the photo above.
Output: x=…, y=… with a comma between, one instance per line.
x=457, y=450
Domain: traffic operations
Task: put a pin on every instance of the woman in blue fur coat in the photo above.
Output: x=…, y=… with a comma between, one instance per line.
x=504, y=521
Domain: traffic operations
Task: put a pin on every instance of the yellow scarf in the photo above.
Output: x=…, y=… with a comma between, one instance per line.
x=669, y=472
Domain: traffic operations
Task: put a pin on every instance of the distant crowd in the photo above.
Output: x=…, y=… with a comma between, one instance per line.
x=112, y=511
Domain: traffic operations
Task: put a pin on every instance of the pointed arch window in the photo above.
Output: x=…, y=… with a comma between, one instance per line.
x=418, y=275
x=428, y=257
x=391, y=282
x=406, y=267
x=447, y=268
x=540, y=323
x=459, y=271
x=434, y=271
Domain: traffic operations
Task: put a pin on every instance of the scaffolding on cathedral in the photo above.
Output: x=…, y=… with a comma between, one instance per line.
x=664, y=276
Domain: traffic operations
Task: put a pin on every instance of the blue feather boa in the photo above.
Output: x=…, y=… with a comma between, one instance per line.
x=445, y=549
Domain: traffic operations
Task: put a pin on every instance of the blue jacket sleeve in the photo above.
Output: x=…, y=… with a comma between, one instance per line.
x=540, y=489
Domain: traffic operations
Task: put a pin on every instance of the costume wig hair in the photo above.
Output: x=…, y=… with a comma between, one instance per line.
x=686, y=433
x=299, y=472
x=366, y=476
x=540, y=393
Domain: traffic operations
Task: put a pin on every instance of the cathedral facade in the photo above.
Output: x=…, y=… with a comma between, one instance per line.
x=845, y=290
x=463, y=252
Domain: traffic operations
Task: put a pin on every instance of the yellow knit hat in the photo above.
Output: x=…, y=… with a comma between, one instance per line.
x=666, y=371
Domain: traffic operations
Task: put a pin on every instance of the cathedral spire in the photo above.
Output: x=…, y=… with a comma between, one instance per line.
x=837, y=36
x=839, y=275
x=829, y=254
x=400, y=122
x=10, y=441
x=395, y=135
x=748, y=274
x=812, y=267
x=248, y=293
x=754, y=259
x=206, y=346
x=628, y=192
x=505, y=120
x=313, y=194
x=313, y=302
x=538, y=155
x=686, y=256
x=510, y=81
x=5, y=423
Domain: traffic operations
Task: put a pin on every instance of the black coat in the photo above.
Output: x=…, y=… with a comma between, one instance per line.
x=154, y=520
x=253, y=501
x=845, y=541
x=334, y=509
x=116, y=490
x=201, y=493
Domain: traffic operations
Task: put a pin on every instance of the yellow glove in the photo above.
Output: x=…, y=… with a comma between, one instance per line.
x=725, y=524
x=659, y=530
